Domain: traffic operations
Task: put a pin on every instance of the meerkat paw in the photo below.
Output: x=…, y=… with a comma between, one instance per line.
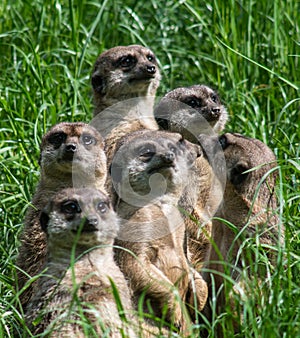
x=198, y=291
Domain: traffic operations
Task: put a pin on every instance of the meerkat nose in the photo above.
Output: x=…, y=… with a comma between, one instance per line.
x=90, y=224
x=93, y=220
x=216, y=111
x=169, y=157
x=151, y=69
x=72, y=148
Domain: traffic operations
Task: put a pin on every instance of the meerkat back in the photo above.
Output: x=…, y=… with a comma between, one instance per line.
x=249, y=205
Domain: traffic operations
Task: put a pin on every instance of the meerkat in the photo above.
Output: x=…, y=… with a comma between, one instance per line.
x=124, y=81
x=249, y=204
x=71, y=154
x=192, y=111
x=81, y=221
x=149, y=172
x=124, y=72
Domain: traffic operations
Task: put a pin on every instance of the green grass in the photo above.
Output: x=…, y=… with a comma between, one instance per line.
x=248, y=50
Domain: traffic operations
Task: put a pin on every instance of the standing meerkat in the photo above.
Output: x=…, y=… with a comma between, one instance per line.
x=72, y=154
x=124, y=81
x=80, y=225
x=149, y=172
x=249, y=204
x=192, y=111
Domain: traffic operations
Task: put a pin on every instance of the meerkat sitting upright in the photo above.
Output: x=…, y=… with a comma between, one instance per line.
x=249, y=204
x=72, y=154
x=124, y=81
x=149, y=172
x=78, y=286
x=192, y=111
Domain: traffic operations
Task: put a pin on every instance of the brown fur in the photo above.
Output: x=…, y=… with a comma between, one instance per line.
x=200, y=201
x=124, y=80
x=191, y=111
x=256, y=214
x=60, y=167
x=84, y=219
x=149, y=171
x=124, y=72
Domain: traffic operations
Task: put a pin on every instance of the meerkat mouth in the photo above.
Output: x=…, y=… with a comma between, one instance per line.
x=144, y=78
x=212, y=114
x=87, y=228
x=162, y=167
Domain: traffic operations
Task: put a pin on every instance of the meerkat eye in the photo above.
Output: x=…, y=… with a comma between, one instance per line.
x=172, y=149
x=223, y=141
x=87, y=139
x=57, y=139
x=70, y=207
x=214, y=98
x=150, y=58
x=193, y=102
x=127, y=61
x=238, y=175
x=102, y=207
x=146, y=153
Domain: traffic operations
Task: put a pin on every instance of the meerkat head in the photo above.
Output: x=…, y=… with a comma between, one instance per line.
x=124, y=72
x=251, y=178
x=84, y=215
x=73, y=148
x=191, y=111
x=148, y=164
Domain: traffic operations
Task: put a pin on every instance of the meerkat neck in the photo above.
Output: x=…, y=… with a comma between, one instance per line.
x=126, y=116
x=112, y=99
x=57, y=180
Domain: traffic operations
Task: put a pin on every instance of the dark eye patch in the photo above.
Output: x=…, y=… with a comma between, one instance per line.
x=126, y=61
x=70, y=207
x=146, y=152
x=214, y=98
x=57, y=139
x=151, y=58
x=193, y=102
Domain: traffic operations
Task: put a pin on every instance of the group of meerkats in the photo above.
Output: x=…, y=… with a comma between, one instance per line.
x=128, y=208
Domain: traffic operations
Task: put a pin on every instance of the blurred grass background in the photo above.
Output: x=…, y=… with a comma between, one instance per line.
x=248, y=50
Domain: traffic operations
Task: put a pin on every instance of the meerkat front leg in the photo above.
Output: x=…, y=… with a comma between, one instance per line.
x=145, y=276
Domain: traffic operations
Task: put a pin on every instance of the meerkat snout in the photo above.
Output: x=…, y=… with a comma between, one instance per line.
x=169, y=157
x=151, y=69
x=71, y=148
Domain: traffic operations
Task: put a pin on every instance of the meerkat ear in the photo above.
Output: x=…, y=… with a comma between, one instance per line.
x=98, y=84
x=44, y=220
x=162, y=123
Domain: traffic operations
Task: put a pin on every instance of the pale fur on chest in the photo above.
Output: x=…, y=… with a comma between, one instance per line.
x=123, y=118
x=89, y=280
